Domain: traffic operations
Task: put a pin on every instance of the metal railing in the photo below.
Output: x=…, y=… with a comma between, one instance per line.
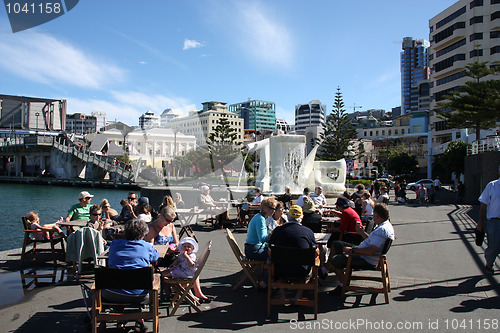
x=484, y=145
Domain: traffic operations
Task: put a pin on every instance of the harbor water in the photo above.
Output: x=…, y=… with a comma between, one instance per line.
x=50, y=202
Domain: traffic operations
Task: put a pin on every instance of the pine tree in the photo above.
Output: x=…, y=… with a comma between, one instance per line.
x=338, y=134
x=476, y=105
x=223, y=144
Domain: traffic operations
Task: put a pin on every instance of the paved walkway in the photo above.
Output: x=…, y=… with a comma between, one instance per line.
x=436, y=275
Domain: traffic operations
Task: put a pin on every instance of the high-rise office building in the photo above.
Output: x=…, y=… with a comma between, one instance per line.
x=465, y=32
x=311, y=114
x=259, y=115
x=414, y=68
x=149, y=120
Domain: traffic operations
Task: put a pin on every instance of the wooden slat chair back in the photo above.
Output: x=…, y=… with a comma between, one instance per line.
x=29, y=239
x=183, y=286
x=381, y=267
x=249, y=266
x=114, y=278
x=293, y=256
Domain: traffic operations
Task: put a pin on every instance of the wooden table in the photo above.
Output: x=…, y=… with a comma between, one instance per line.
x=71, y=224
x=186, y=218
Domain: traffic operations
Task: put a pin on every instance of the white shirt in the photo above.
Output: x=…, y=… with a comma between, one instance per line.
x=491, y=197
x=257, y=200
x=437, y=182
x=377, y=237
x=318, y=199
x=300, y=200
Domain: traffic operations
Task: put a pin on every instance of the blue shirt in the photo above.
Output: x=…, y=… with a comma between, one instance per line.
x=128, y=254
x=257, y=230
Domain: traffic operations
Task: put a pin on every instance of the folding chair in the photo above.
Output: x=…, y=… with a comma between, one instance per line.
x=114, y=278
x=183, y=286
x=29, y=239
x=281, y=255
x=381, y=267
x=249, y=266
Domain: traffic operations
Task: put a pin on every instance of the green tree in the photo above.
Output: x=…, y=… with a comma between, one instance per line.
x=223, y=144
x=339, y=132
x=402, y=163
x=453, y=158
x=477, y=103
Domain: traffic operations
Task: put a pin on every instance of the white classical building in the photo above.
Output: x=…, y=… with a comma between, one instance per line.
x=155, y=145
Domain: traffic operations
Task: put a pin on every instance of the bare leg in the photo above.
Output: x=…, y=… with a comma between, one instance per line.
x=197, y=289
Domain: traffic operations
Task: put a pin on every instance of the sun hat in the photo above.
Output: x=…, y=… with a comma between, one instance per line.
x=309, y=206
x=190, y=241
x=295, y=212
x=204, y=188
x=84, y=194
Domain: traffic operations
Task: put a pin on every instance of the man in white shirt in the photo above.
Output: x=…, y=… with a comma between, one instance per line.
x=490, y=208
x=437, y=183
x=369, y=249
x=318, y=197
x=300, y=200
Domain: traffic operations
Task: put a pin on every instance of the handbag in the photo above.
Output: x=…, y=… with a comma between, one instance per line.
x=479, y=237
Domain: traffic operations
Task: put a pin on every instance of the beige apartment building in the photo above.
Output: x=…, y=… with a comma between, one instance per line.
x=203, y=123
x=465, y=32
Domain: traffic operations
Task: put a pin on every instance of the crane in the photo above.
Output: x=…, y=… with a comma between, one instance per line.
x=354, y=107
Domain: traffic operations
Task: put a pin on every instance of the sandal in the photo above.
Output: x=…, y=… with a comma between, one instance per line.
x=206, y=300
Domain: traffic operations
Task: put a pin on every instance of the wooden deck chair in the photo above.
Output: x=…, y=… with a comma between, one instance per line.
x=249, y=266
x=29, y=239
x=114, y=278
x=381, y=267
x=181, y=287
x=281, y=255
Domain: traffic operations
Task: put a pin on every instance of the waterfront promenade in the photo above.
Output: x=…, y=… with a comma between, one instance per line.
x=437, y=280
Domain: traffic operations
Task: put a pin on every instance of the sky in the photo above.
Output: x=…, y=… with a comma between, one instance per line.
x=130, y=56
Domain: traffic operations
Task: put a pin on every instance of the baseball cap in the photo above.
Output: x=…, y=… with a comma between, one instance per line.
x=295, y=211
x=144, y=201
x=84, y=194
x=342, y=202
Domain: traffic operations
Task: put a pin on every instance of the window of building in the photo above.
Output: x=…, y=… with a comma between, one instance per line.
x=448, y=32
x=476, y=36
x=495, y=50
x=402, y=131
x=396, y=132
x=476, y=19
x=476, y=3
x=476, y=53
x=495, y=15
x=495, y=34
x=451, y=17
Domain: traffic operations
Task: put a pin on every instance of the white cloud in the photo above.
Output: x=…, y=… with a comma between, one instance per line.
x=262, y=36
x=288, y=116
x=127, y=106
x=42, y=58
x=191, y=44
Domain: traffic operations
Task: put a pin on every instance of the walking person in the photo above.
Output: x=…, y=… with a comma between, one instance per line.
x=490, y=208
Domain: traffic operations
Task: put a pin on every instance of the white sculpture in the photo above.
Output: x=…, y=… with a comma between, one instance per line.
x=283, y=163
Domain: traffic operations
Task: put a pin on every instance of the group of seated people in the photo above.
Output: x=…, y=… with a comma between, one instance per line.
x=131, y=243
x=296, y=228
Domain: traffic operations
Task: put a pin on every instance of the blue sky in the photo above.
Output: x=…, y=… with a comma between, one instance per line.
x=126, y=57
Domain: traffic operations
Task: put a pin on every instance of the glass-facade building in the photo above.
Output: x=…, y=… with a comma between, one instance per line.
x=414, y=68
x=259, y=115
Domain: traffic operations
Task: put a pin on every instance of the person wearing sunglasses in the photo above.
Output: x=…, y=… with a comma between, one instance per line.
x=257, y=236
x=81, y=210
x=129, y=207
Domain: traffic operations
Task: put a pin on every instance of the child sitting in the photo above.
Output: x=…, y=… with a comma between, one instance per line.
x=42, y=230
x=184, y=267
